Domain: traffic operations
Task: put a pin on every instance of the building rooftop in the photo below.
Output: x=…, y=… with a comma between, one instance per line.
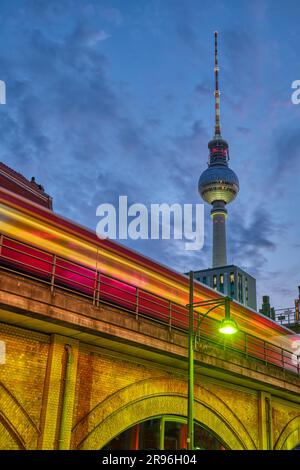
x=18, y=184
x=227, y=267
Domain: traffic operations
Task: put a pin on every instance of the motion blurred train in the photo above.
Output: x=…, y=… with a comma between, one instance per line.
x=36, y=242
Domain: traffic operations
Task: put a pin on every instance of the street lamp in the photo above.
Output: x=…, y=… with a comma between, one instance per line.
x=227, y=327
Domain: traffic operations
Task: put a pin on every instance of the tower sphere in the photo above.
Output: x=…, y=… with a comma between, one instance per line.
x=218, y=183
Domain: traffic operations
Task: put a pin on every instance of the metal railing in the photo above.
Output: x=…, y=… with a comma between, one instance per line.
x=99, y=288
x=287, y=316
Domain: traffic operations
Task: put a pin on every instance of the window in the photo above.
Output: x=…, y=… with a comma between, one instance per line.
x=221, y=282
x=246, y=291
x=215, y=282
x=175, y=435
x=232, y=290
x=164, y=433
x=204, y=280
x=240, y=288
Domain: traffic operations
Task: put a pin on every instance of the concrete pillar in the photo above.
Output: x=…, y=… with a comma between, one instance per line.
x=226, y=284
x=265, y=421
x=59, y=394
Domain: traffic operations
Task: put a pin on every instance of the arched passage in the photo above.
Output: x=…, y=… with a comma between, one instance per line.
x=290, y=435
x=160, y=396
x=164, y=433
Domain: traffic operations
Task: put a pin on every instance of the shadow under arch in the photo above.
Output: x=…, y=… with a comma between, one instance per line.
x=16, y=420
x=290, y=435
x=155, y=397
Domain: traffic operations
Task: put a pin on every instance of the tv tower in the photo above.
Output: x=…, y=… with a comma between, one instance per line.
x=218, y=184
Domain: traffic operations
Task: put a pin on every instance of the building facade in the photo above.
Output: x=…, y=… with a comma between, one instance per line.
x=232, y=281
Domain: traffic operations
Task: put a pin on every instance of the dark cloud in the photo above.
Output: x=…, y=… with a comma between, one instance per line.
x=185, y=27
x=203, y=90
x=286, y=152
x=240, y=71
x=44, y=8
x=243, y=56
x=243, y=130
x=252, y=240
x=86, y=118
x=113, y=15
x=187, y=35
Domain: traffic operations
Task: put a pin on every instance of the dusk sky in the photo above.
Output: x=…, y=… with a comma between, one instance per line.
x=109, y=98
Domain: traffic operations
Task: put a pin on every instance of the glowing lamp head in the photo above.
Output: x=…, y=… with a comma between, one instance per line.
x=228, y=326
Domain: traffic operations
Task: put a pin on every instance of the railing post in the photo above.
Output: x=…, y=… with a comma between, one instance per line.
x=197, y=332
x=137, y=304
x=170, y=315
x=53, y=273
x=95, y=287
x=98, y=289
x=282, y=358
x=1, y=243
x=265, y=354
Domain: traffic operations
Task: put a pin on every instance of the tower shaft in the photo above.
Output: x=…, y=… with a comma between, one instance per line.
x=219, y=254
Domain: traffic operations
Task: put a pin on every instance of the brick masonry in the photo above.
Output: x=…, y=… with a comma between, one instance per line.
x=71, y=384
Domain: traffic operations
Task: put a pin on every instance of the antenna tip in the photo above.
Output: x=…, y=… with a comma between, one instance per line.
x=216, y=33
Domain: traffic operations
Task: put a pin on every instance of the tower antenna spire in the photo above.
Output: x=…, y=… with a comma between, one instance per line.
x=217, y=91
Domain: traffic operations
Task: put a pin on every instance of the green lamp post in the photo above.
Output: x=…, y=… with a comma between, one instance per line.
x=227, y=326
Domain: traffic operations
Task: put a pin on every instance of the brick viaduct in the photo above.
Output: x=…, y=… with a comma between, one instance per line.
x=77, y=375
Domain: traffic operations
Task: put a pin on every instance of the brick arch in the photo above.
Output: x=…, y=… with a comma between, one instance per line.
x=290, y=435
x=154, y=397
x=19, y=425
x=9, y=439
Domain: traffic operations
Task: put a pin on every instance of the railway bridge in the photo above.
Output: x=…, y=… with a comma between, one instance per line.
x=80, y=374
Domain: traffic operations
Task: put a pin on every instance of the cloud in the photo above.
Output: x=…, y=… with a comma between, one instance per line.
x=251, y=240
x=187, y=35
x=90, y=128
x=286, y=149
x=243, y=130
x=241, y=70
x=61, y=109
x=203, y=90
x=84, y=36
x=113, y=15
x=94, y=38
x=185, y=29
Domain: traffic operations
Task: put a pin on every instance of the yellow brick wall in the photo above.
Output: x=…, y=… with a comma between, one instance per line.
x=282, y=414
x=8, y=440
x=23, y=374
x=101, y=385
x=101, y=376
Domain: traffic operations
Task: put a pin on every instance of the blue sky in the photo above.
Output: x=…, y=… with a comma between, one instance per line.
x=109, y=98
